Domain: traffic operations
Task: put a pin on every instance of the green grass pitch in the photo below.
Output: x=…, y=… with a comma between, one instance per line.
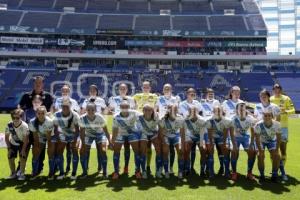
x=128, y=188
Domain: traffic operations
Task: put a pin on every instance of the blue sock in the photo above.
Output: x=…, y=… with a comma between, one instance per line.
x=60, y=163
x=251, y=162
x=181, y=165
x=104, y=163
x=51, y=166
x=234, y=164
x=221, y=161
x=193, y=156
x=87, y=157
x=274, y=172
x=69, y=158
x=127, y=156
x=281, y=167
x=187, y=165
x=158, y=162
x=99, y=159
x=226, y=164
x=261, y=172
x=166, y=165
x=210, y=165
x=143, y=162
x=116, y=158
x=137, y=162
x=172, y=156
x=35, y=166
x=83, y=161
x=75, y=163
x=202, y=166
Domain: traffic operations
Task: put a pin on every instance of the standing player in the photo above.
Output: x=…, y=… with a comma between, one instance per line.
x=286, y=108
x=218, y=128
x=172, y=133
x=41, y=127
x=194, y=133
x=125, y=128
x=66, y=126
x=114, y=107
x=101, y=109
x=148, y=127
x=184, y=107
x=66, y=93
x=146, y=97
x=242, y=122
x=268, y=134
x=93, y=127
x=16, y=138
x=265, y=103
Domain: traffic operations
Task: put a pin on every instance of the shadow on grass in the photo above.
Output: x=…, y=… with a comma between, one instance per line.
x=193, y=182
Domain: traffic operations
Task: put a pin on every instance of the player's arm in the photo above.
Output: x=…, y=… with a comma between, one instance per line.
x=211, y=132
x=25, y=143
x=182, y=135
x=231, y=132
x=105, y=130
x=257, y=140
x=115, y=132
x=290, y=107
x=7, y=138
x=252, y=136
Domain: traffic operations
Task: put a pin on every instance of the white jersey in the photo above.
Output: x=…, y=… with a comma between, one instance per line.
x=229, y=107
x=147, y=127
x=259, y=108
x=114, y=102
x=92, y=127
x=43, y=129
x=163, y=102
x=172, y=127
x=184, y=107
x=208, y=107
x=63, y=122
x=195, y=128
x=267, y=134
x=241, y=127
x=218, y=126
x=17, y=134
x=74, y=104
x=100, y=104
x=126, y=125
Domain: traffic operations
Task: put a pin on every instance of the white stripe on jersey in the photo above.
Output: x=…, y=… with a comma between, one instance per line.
x=259, y=108
x=62, y=122
x=92, y=127
x=114, y=102
x=152, y=126
x=184, y=107
x=126, y=124
x=163, y=102
x=241, y=127
x=22, y=131
x=267, y=134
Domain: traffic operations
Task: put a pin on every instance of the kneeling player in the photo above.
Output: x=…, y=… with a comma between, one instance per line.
x=16, y=138
x=242, y=123
x=93, y=128
x=268, y=134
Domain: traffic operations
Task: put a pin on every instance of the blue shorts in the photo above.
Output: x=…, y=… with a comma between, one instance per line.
x=15, y=150
x=284, y=134
x=244, y=141
x=98, y=138
x=148, y=138
x=172, y=140
x=195, y=138
x=271, y=145
x=43, y=139
x=205, y=137
x=132, y=137
x=67, y=138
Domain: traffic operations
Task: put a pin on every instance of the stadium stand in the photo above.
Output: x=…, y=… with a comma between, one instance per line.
x=40, y=19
